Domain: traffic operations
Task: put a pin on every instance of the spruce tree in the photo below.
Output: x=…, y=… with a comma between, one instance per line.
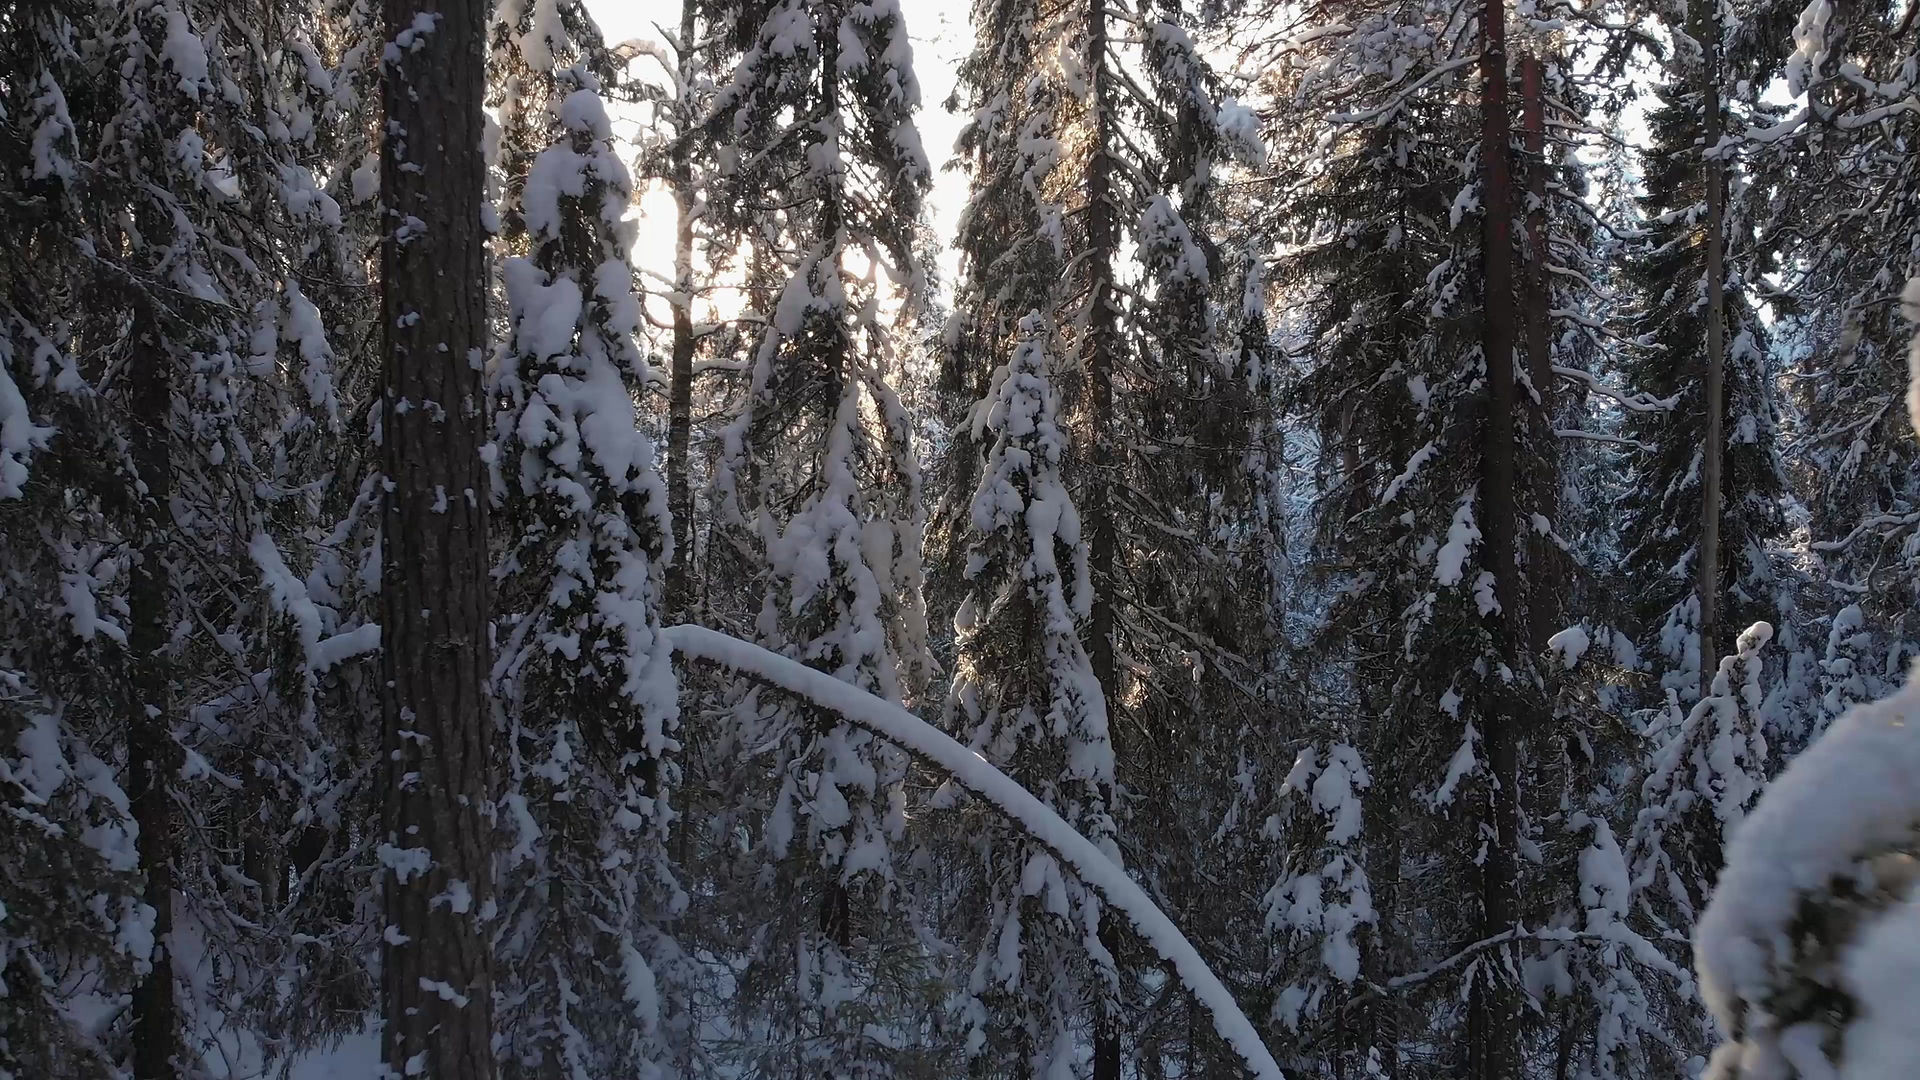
x=1839, y=187
x=1092, y=150
x=1025, y=697
x=819, y=489
x=1661, y=524
x=587, y=698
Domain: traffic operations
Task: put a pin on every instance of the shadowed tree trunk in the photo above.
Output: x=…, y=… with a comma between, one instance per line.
x=1546, y=564
x=1101, y=342
x=1712, y=447
x=436, y=962
x=679, y=593
x=153, y=757
x=1493, y=1007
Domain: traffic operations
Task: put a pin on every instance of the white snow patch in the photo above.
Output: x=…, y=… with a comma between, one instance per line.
x=1570, y=645
x=1843, y=803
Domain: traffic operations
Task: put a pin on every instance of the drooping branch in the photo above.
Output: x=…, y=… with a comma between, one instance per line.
x=971, y=771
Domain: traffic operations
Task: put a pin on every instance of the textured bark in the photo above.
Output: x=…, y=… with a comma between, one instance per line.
x=679, y=594
x=153, y=757
x=1099, y=347
x=1546, y=564
x=1377, y=1023
x=437, y=968
x=1106, y=1023
x=1493, y=1007
x=1533, y=123
x=1712, y=446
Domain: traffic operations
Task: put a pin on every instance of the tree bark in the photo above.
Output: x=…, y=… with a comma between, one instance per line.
x=679, y=598
x=1712, y=448
x=436, y=963
x=1493, y=1013
x=1546, y=568
x=153, y=757
x=1377, y=1027
x=1099, y=347
x=1533, y=121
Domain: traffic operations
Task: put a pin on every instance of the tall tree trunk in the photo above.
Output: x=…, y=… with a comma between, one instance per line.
x=836, y=907
x=436, y=963
x=1383, y=807
x=1099, y=348
x=1712, y=448
x=1546, y=567
x=1493, y=1013
x=153, y=757
x=1533, y=123
x=679, y=598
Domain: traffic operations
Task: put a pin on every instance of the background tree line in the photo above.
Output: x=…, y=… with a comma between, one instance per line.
x=1340, y=481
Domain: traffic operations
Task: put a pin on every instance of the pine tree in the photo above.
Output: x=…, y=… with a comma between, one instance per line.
x=438, y=789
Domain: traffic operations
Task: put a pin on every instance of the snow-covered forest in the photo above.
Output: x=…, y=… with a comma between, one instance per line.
x=1379, y=543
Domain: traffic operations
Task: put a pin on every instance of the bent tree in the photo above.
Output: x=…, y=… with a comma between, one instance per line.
x=971, y=771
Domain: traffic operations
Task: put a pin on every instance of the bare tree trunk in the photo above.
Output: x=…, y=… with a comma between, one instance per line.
x=436, y=962
x=1378, y=1026
x=1099, y=347
x=1493, y=1012
x=1563, y=1050
x=679, y=598
x=1533, y=123
x=1546, y=567
x=1712, y=446
x=153, y=757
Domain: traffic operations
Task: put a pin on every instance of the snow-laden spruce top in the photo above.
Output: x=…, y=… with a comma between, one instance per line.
x=1836, y=831
x=1850, y=797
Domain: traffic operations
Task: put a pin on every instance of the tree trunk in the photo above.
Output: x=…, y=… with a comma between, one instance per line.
x=1712, y=449
x=1563, y=1050
x=1493, y=1013
x=153, y=757
x=1099, y=347
x=679, y=598
x=436, y=962
x=1546, y=566
x=1533, y=121
x=1377, y=1029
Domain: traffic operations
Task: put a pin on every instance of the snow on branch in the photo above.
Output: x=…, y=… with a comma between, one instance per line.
x=1632, y=402
x=1816, y=843
x=972, y=771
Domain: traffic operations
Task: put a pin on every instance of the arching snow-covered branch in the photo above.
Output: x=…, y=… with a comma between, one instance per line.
x=971, y=771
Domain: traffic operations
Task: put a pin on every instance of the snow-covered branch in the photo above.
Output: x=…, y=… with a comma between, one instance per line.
x=1640, y=402
x=971, y=771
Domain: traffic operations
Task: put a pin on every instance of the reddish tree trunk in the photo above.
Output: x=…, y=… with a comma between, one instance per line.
x=1545, y=564
x=1493, y=1007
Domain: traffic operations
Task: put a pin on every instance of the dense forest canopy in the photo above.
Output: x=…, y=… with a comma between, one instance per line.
x=1353, y=539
